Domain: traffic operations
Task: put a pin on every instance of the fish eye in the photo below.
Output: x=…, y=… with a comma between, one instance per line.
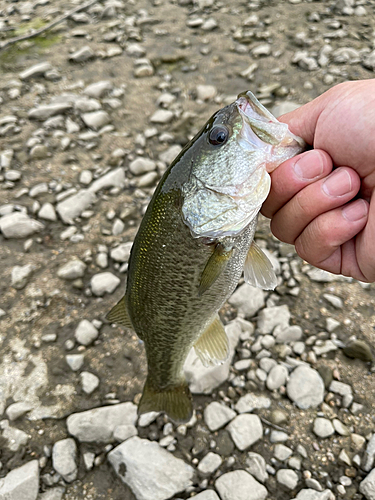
x=218, y=135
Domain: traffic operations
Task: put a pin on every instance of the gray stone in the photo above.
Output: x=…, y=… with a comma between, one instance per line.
x=249, y=402
x=369, y=456
x=85, y=177
x=162, y=116
x=277, y=377
x=98, y=89
x=245, y=430
x=289, y=334
x=209, y=463
x=367, y=486
x=83, y=54
x=151, y=472
x=47, y=212
x=73, y=206
x=72, y=270
x=170, y=154
x=98, y=424
x=21, y=483
x=278, y=436
x=272, y=316
x=122, y=252
x=282, y=452
x=206, y=92
x=124, y=432
x=102, y=283
x=334, y=300
x=36, y=70
x=75, y=361
x=17, y=410
x=256, y=466
x=263, y=49
x=19, y=225
x=15, y=438
x=39, y=152
x=216, y=415
x=64, y=455
x=204, y=380
x=309, y=494
x=53, y=494
x=86, y=332
x=85, y=105
x=89, y=382
x=47, y=110
x=240, y=485
x=340, y=388
x=38, y=189
x=305, y=387
x=118, y=227
x=114, y=178
x=147, y=180
x=96, y=119
x=141, y=166
x=206, y=495
x=340, y=428
x=20, y=275
x=247, y=300
x=369, y=61
x=287, y=477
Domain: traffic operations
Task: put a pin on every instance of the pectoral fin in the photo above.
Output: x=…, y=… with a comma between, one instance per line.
x=212, y=346
x=258, y=270
x=214, y=267
x=119, y=314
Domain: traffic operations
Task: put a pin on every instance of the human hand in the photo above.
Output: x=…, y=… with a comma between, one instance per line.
x=313, y=208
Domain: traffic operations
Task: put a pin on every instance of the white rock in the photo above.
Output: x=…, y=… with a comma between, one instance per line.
x=124, y=432
x=72, y=270
x=305, y=387
x=35, y=70
x=287, y=477
x=97, y=89
x=245, y=430
x=247, y=300
x=287, y=334
x=96, y=119
x=256, y=466
x=340, y=388
x=53, y=493
x=162, y=116
x=86, y=332
x=17, y=410
x=240, y=485
x=20, y=275
x=98, y=424
x=170, y=154
x=47, y=110
x=89, y=382
x=15, y=437
x=141, y=166
x=85, y=177
x=114, y=178
x=118, y=227
x=102, y=283
x=64, y=454
x=19, y=225
x=309, y=494
x=206, y=92
x=75, y=361
x=147, y=180
x=206, y=495
x=151, y=472
x=272, y=316
x=282, y=452
x=209, y=463
x=277, y=377
x=250, y=402
x=216, y=415
x=73, y=206
x=367, y=486
x=85, y=105
x=122, y=252
x=21, y=483
x=83, y=54
x=47, y=212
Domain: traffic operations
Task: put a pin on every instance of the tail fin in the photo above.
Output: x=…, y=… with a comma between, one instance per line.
x=176, y=401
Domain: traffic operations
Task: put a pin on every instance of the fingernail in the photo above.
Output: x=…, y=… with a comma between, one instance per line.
x=309, y=166
x=338, y=183
x=355, y=211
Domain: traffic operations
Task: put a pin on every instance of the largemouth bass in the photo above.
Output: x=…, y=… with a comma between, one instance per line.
x=194, y=242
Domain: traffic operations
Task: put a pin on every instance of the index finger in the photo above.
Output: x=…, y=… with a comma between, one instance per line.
x=293, y=175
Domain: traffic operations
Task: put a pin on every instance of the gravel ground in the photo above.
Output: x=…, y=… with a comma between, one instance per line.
x=91, y=113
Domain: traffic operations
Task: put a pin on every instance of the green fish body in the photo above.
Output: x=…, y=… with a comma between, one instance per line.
x=194, y=242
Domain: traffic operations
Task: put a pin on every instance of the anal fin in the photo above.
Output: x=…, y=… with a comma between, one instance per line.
x=258, y=270
x=119, y=314
x=176, y=401
x=212, y=346
x=214, y=267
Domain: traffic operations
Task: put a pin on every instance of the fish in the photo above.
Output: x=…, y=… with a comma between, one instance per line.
x=195, y=240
